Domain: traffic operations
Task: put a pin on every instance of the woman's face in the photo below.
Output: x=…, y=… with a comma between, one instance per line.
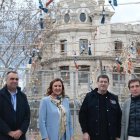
x=57, y=88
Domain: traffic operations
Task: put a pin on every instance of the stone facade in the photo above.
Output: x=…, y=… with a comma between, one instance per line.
x=78, y=35
x=77, y=38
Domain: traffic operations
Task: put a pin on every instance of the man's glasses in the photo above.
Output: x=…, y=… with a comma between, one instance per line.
x=14, y=79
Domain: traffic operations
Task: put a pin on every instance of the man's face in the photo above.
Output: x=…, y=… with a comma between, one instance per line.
x=103, y=84
x=135, y=88
x=12, y=81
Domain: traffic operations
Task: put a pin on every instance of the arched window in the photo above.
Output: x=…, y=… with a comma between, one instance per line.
x=118, y=46
x=65, y=75
x=63, y=47
x=137, y=71
x=83, y=74
x=82, y=17
x=118, y=79
x=66, y=18
x=138, y=48
x=83, y=44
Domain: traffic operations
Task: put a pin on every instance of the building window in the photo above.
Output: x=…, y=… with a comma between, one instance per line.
x=83, y=44
x=137, y=72
x=118, y=79
x=83, y=74
x=1, y=50
x=63, y=47
x=65, y=75
x=138, y=48
x=82, y=17
x=118, y=46
x=66, y=18
x=90, y=19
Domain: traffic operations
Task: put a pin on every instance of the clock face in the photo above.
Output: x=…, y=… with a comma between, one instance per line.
x=67, y=18
x=82, y=17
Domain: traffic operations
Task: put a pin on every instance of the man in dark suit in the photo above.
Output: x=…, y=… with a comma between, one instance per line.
x=100, y=113
x=14, y=110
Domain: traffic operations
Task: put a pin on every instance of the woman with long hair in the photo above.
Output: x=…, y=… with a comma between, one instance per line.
x=54, y=113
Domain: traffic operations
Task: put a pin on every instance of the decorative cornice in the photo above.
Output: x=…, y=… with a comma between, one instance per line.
x=78, y=58
x=125, y=32
x=67, y=29
x=72, y=29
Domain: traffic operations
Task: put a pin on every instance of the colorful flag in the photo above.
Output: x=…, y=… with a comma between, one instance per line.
x=76, y=65
x=103, y=16
x=115, y=3
x=47, y=4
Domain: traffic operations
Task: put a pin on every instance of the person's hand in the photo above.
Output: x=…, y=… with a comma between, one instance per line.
x=86, y=136
x=11, y=134
x=117, y=139
x=17, y=134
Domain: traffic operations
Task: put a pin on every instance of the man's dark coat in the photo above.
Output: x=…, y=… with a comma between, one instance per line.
x=11, y=120
x=89, y=115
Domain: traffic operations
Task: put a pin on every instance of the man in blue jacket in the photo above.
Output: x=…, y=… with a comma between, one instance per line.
x=14, y=110
x=100, y=113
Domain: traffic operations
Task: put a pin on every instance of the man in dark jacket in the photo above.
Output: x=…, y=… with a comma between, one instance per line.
x=14, y=110
x=100, y=113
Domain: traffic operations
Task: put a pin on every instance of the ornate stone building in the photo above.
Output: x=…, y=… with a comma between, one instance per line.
x=79, y=48
x=77, y=38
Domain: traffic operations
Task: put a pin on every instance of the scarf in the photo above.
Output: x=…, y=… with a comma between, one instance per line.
x=62, y=111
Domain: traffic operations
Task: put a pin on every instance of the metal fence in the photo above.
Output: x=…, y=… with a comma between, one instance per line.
x=75, y=88
x=77, y=84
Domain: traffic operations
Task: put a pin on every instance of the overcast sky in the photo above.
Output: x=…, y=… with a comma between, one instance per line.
x=126, y=13
x=123, y=13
